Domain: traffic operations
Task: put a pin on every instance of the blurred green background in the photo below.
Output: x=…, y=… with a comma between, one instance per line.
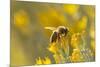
x=29, y=39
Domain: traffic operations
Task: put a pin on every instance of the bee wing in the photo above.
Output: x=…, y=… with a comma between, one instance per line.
x=50, y=28
x=53, y=37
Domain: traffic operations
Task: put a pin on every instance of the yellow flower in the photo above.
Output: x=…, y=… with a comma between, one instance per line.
x=93, y=45
x=75, y=55
x=53, y=48
x=21, y=22
x=47, y=61
x=39, y=61
x=52, y=17
x=21, y=18
x=71, y=9
x=75, y=40
x=92, y=30
x=43, y=61
x=81, y=24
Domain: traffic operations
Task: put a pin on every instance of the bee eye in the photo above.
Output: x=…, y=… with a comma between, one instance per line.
x=63, y=32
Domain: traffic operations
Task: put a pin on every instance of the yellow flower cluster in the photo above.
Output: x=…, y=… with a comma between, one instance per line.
x=60, y=50
x=43, y=61
x=75, y=40
x=53, y=48
x=75, y=55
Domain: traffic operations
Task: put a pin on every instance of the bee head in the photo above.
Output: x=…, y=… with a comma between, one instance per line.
x=63, y=30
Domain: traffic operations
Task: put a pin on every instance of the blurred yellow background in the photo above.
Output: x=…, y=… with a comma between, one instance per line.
x=29, y=39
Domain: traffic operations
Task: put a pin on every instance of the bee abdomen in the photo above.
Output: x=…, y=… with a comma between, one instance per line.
x=53, y=37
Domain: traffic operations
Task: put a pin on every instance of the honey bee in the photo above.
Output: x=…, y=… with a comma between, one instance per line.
x=57, y=33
